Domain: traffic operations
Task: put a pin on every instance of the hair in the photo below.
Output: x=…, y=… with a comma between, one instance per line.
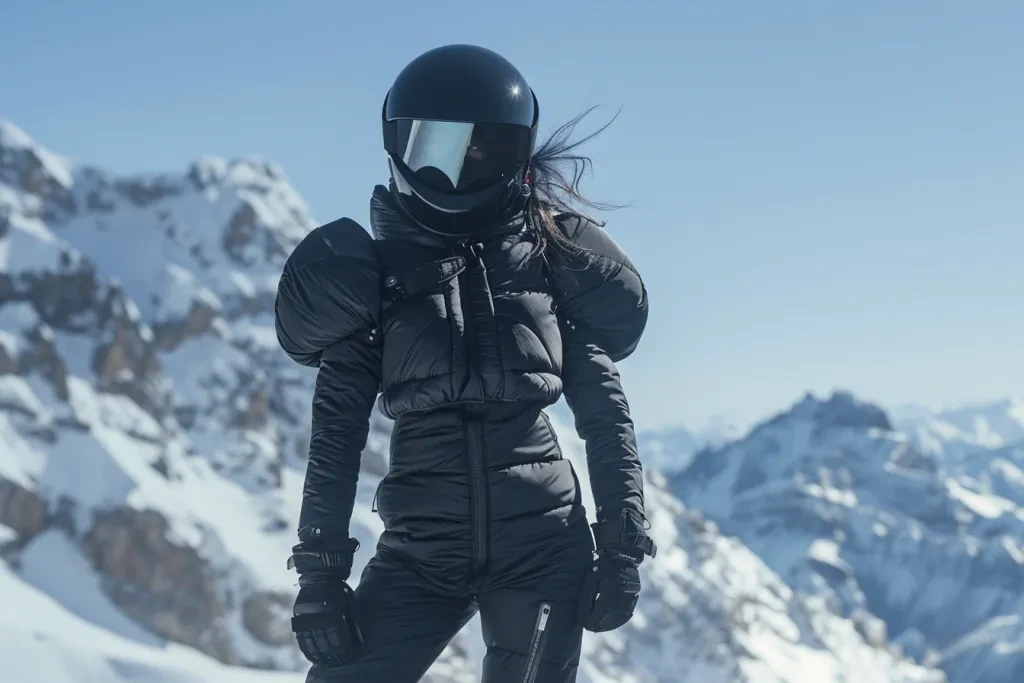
x=555, y=171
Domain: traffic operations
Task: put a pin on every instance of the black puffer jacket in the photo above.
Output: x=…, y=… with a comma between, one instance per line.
x=466, y=343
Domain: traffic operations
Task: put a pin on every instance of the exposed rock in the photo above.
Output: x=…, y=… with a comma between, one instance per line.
x=21, y=509
x=164, y=586
x=63, y=517
x=5, y=221
x=255, y=414
x=240, y=233
x=27, y=170
x=843, y=410
x=168, y=335
x=127, y=364
x=42, y=357
x=142, y=191
x=61, y=297
x=267, y=616
x=871, y=628
x=98, y=200
x=8, y=362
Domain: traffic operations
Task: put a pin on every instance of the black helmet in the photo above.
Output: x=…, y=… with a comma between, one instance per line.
x=460, y=123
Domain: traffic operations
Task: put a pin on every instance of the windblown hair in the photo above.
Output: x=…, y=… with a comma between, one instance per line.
x=555, y=172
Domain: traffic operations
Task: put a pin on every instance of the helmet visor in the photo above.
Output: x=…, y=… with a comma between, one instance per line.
x=454, y=156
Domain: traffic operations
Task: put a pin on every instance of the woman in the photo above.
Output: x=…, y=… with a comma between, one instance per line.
x=472, y=308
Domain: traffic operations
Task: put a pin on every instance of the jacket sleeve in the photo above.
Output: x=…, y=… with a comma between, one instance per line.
x=327, y=315
x=346, y=388
x=594, y=393
x=602, y=308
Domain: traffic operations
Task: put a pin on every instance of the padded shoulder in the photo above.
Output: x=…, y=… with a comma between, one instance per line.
x=602, y=290
x=329, y=290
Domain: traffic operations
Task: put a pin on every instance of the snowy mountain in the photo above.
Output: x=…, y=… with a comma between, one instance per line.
x=152, y=442
x=953, y=433
x=843, y=507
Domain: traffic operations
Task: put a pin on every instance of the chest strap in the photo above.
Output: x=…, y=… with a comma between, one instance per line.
x=425, y=278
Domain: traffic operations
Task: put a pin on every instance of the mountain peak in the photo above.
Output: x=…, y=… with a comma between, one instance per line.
x=840, y=410
x=12, y=137
x=31, y=167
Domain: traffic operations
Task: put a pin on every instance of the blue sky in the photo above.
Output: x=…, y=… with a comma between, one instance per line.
x=822, y=194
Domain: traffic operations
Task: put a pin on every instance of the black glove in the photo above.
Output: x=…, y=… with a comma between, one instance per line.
x=322, y=621
x=612, y=587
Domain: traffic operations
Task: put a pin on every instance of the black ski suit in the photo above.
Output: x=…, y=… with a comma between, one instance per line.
x=467, y=344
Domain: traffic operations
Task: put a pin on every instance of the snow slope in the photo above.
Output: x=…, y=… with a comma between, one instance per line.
x=41, y=641
x=152, y=443
x=843, y=507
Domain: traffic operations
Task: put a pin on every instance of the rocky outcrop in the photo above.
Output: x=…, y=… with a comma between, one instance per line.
x=21, y=509
x=141, y=191
x=252, y=408
x=267, y=616
x=169, y=335
x=8, y=361
x=241, y=231
x=127, y=363
x=33, y=171
x=65, y=299
x=164, y=585
x=42, y=357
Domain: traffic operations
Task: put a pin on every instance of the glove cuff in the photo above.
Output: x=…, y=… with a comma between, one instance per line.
x=309, y=556
x=625, y=534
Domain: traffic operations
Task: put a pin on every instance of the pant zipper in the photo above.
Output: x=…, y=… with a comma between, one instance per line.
x=537, y=643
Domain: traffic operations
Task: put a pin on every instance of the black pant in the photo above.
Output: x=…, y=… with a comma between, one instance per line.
x=528, y=620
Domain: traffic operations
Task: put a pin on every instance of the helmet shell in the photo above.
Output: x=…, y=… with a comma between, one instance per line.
x=458, y=84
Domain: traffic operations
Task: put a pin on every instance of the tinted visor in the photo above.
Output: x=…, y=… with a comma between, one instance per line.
x=453, y=156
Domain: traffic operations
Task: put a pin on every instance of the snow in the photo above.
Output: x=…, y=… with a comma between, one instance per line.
x=19, y=459
x=58, y=167
x=52, y=565
x=29, y=246
x=42, y=641
x=16, y=394
x=17, y=316
x=979, y=503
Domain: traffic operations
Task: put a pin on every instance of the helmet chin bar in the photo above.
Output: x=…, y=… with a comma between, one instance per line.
x=484, y=206
x=445, y=202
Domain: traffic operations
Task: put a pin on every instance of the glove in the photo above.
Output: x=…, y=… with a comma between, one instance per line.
x=322, y=620
x=612, y=587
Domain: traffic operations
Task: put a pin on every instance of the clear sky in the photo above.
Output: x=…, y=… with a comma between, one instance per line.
x=824, y=194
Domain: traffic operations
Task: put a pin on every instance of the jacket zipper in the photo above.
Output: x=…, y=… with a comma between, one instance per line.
x=537, y=643
x=474, y=421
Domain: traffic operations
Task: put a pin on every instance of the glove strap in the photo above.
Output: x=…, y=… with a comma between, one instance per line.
x=316, y=620
x=307, y=557
x=624, y=534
